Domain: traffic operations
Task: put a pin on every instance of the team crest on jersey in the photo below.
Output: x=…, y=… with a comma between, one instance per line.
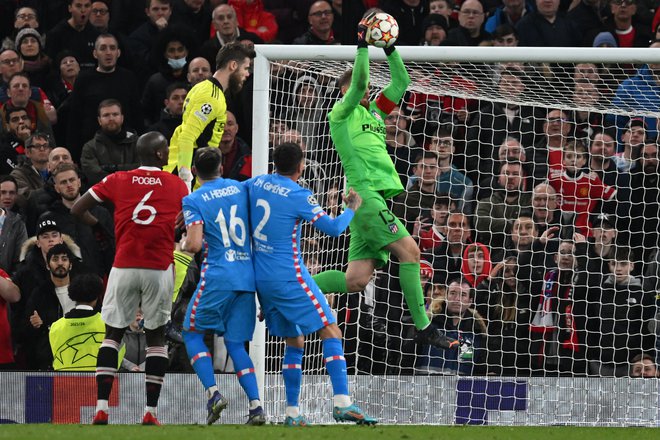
x=584, y=192
x=393, y=228
x=312, y=200
x=206, y=109
x=377, y=115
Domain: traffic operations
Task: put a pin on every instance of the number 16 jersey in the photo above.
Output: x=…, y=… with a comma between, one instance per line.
x=221, y=206
x=146, y=202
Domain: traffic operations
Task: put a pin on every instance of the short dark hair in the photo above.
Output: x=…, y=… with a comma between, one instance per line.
x=149, y=2
x=105, y=35
x=345, y=78
x=10, y=109
x=175, y=86
x=503, y=30
x=36, y=13
x=59, y=249
x=207, y=162
x=63, y=167
x=38, y=135
x=287, y=156
x=435, y=129
x=109, y=103
x=8, y=178
x=624, y=253
x=234, y=51
x=16, y=75
x=86, y=287
x=426, y=155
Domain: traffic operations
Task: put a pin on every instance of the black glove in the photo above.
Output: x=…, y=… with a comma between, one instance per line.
x=362, y=29
x=389, y=50
x=362, y=34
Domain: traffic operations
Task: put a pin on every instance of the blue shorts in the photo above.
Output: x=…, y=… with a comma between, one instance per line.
x=292, y=308
x=226, y=313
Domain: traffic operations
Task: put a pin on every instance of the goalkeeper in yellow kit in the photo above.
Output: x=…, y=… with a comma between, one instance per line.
x=205, y=108
x=358, y=131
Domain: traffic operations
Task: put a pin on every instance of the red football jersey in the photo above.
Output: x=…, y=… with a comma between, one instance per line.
x=6, y=349
x=555, y=159
x=580, y=194
x=147, y=201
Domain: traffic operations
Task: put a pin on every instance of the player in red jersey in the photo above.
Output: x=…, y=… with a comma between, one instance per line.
x=580, y=190
x=146, y=201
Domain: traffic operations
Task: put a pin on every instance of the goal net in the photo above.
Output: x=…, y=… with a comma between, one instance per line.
x=532, y=189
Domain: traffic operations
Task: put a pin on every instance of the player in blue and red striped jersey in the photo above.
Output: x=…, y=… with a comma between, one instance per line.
x=291, y=302
x=216, y=217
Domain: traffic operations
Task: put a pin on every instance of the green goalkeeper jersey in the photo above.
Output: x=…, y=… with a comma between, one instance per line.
x=359, y=134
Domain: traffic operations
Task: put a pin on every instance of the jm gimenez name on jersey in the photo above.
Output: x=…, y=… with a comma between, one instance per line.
x=274, y=188
x=219, y=193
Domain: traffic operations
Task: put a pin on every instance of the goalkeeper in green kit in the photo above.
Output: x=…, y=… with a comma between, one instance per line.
x=358, y=131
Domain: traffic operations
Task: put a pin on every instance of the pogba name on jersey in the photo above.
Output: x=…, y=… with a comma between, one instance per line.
x=146, y=180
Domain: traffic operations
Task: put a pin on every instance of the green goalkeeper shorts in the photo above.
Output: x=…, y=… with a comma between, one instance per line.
x=374, y=227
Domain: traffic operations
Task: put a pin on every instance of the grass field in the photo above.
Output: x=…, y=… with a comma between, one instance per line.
x=335, y=432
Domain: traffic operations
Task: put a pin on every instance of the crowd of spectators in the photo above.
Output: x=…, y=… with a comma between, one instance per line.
x=538, y=226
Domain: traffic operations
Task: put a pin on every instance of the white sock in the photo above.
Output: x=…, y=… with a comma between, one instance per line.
x=292, y=411
x=211, y=391
x=151, y=409
x=342, y=400
x=254, y=404
x=102, y=405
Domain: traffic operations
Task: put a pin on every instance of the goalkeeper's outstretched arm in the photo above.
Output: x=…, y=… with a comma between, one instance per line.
x=399, y=82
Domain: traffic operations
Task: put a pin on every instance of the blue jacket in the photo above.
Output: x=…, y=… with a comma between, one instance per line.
x=639, y=93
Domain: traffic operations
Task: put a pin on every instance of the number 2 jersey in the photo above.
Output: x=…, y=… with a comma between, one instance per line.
x=277, y=207
x=147, y=201
x=221, y=206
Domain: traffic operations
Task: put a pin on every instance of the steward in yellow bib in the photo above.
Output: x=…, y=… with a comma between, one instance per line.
x=75, y=339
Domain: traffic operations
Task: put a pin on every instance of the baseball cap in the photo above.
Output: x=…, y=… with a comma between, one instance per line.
x=46, y=224
x=636, y=122
x=602, y=221
x=435, y=20
x=605, y=38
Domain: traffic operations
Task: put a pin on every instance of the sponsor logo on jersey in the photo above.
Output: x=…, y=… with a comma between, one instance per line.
x=201, y=117
x=146, y=180
x=374, y=128
x=232, y=255
x=393, y=228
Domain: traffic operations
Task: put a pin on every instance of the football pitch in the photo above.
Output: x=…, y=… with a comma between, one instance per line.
x=330, y=432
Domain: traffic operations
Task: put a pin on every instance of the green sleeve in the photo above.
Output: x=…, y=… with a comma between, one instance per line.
x=181, y=263
x=400, y=80
x=359, y=84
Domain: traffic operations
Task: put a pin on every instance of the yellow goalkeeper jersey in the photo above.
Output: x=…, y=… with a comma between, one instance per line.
x=202, y=125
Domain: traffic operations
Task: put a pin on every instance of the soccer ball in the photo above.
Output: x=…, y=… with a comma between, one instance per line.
x=383, y=30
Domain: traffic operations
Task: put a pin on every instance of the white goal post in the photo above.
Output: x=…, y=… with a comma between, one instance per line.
x=395, y=388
